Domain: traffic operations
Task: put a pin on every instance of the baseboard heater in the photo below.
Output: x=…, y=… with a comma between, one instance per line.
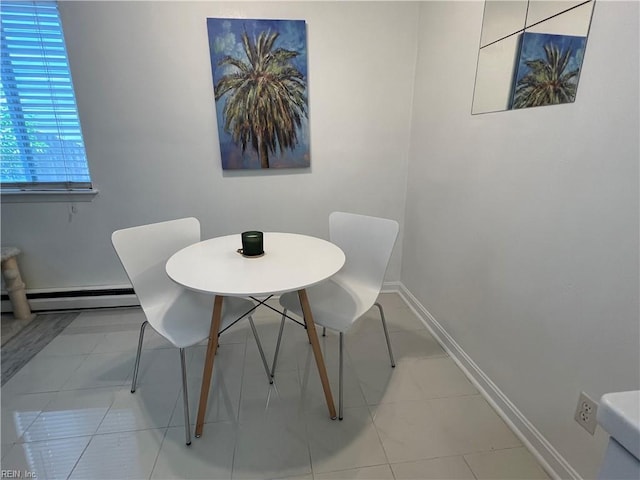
x=76, y=299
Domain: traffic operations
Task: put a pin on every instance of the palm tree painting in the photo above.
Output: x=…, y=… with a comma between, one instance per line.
x=548, y=70
x=260, y=85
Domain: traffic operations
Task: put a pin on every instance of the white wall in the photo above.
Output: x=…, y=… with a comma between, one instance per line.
x=521, y=234
x=142, y=76
x=521, y=227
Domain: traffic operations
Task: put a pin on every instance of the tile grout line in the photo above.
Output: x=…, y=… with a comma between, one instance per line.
x=155, y=461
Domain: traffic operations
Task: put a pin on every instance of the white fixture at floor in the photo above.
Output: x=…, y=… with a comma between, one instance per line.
x=619, y=416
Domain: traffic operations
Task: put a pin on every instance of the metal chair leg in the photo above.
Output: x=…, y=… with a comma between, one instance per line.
x=341, y=376
x=135, y=368
x=275, y=355
x=386, y=334
x=264, y=360
x=185, y=397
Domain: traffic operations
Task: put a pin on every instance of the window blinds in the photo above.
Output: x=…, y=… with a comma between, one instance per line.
x=41, y=144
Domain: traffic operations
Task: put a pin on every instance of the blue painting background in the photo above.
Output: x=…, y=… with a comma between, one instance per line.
x=225, y=38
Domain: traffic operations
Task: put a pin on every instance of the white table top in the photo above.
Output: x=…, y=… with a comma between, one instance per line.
x=291, y=262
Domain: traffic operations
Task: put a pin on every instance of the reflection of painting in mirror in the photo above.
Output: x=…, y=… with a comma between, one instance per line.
x=548, y=70
x=530, y=53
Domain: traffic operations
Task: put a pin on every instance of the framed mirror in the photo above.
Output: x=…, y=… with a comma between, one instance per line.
x=531, y=53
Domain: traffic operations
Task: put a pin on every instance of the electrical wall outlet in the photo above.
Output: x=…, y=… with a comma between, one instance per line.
x=586, y=413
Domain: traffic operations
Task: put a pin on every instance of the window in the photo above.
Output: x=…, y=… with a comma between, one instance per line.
x=41, y=146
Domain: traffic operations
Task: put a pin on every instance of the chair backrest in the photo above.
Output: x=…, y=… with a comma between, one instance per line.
x=367, y=243
x=144, y=251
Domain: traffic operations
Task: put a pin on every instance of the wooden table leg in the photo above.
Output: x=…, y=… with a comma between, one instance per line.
x=317, y=352
x=212, y=346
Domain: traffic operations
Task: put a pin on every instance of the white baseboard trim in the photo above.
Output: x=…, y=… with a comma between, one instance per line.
x=48, y=299
x=77, y=303
x=392, y=287
x=550, y=459
x=77, y=298
x=41, y=300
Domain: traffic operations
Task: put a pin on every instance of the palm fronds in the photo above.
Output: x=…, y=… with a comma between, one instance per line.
x=267, y=97
x=547, y=83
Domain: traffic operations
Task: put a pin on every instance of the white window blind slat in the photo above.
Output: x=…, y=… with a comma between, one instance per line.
x=41, y=145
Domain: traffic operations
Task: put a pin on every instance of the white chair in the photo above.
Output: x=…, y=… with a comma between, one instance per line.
x=181, y=316
x=338, y=302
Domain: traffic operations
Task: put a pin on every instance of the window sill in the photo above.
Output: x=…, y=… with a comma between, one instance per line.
x=46, y=196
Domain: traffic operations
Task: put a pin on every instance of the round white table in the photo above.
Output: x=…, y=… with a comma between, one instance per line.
x=291, y=262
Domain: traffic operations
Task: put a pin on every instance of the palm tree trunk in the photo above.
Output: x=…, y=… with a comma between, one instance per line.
x=264, y=154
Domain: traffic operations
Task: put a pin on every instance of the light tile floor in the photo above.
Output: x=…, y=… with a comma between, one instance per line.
x=69, y=412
